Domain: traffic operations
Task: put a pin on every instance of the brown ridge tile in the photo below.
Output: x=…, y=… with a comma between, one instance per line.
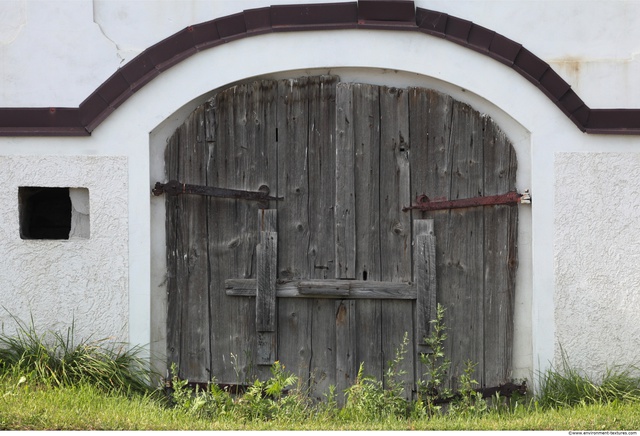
x=571, y=102
x=480, y=38
x=553, y=85
x=40, y=118
x=387, y=10
x=431, y=22
x=504, y=50
x=314, y=16
x=93, y=108
x=205, y=35
x=458, y=29
x=258, y=20
x=231, y=27
x=44, y=131
x=530, y=66
x=580, y=117
x=114, y=89
x=139, y=71
x=613, y=119
x=172, y=50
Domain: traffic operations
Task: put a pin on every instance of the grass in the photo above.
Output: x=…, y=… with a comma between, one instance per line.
x=49, y=383
x=567, y=386
x=54, y=359
x=25, y=406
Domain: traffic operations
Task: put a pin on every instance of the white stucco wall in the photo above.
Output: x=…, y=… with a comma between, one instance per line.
x=43, y=63
x=81, y=281
x=597, y=253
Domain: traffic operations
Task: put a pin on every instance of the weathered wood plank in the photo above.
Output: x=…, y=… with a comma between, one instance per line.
x=321, y=287
x=425, y=278
x=397, y=320
x=395, y=189
x=266, y=316
x=345, y=207
x=500, y=257
x=321, y=205
x=451, y=166
x=192, y=263
x=267, y=254
x=266, y=348
x=321, y=160
x=346, y=345
x=356, y=289
x=244, y=158
x=462, y=259
x=366, y=103
x=323, y=342
x=395, y=230
x=174, y=293
x=430, y=128
x=369, y=344
x=294, y=315
x=267, y=251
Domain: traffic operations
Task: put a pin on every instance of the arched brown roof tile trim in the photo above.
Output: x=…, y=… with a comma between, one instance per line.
x=364, y=14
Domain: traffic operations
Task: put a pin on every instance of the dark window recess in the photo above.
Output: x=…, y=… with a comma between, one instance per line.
x=50, y=213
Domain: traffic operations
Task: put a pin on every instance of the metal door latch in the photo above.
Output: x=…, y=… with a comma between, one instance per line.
x=510, y=198
x=174, y=187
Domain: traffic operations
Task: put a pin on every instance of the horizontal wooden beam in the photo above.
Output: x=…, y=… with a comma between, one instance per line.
x=344, y=289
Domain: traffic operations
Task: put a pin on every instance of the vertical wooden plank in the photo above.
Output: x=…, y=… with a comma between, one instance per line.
x=266, y=317
x=430, y=115
x=366, y=101
x=366, y=126
x=345, y=213
x=174, y=293
x=321, y=93
x=192, y=261
x=368, y=316
x=395, y=227
x=244, y=158
x=463, y=258
x=267, y=252
x=346, y=339
x=323, y=352
x=395, y=189
x=294, y=316
x=450, y=165
x=425, y=279
x=321, y=205
x=500, y=256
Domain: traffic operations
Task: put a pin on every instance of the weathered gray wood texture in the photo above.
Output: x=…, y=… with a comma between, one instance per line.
x=343, y=273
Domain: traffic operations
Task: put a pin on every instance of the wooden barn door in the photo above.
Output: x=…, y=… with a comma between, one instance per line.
x=335, y=272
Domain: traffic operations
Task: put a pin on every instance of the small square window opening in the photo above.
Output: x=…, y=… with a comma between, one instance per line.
x=53, y=213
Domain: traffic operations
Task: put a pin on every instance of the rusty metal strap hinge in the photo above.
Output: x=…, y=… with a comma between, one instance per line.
x=510, y=198
x=174, y=187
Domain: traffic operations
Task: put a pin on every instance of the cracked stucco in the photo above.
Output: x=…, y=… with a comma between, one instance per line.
x=58, y=282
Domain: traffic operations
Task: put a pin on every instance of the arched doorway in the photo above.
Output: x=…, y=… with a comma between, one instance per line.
x=330, y=274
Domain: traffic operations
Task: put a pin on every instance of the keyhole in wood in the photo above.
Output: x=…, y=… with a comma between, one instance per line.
x=364, y=275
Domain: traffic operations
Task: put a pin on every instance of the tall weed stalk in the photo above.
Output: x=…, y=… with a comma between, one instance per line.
x=432, y=391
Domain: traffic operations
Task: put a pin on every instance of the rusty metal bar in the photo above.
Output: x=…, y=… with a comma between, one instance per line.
x=174, y=187
x=510, y=198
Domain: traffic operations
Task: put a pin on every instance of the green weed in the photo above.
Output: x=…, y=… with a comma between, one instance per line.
x=568, y=387
x=432, y=391
x=54, y=359
x=368, y=398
